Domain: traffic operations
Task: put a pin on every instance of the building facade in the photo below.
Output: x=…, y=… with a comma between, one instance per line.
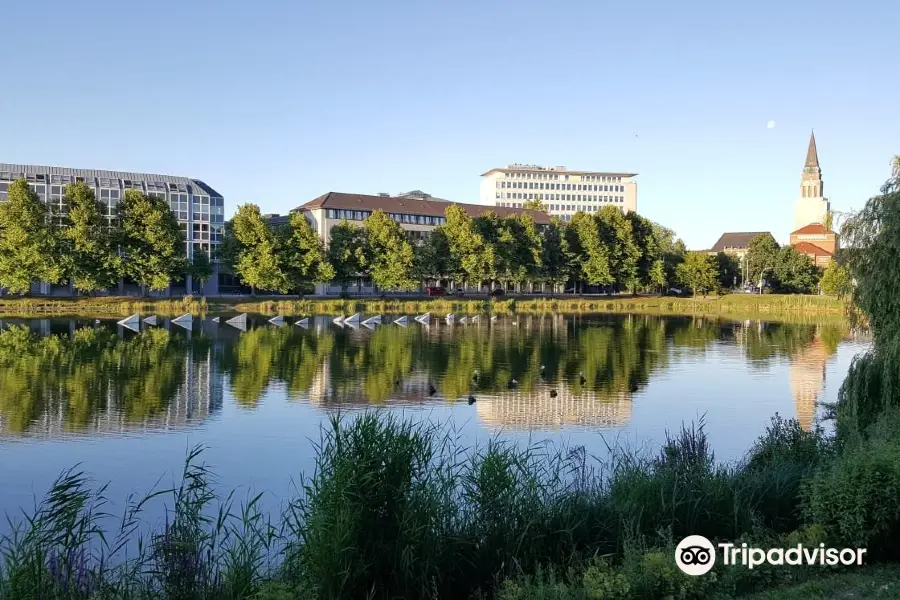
x=562, y=192
x=736, y=243
x=199, y=209
x=817, y=242
x=811, y=206
x=416, y=213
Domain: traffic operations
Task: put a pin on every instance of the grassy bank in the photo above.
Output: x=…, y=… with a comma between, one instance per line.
x=104, y=306
x=736, y=305
x=396, y=510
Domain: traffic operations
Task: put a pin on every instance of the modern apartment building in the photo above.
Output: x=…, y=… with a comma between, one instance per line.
x=200, y=209
x=563, y=192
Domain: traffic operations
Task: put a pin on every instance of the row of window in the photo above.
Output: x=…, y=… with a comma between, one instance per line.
x=360, y=215
x=111, y=189
x=575, y=187
x=560, y=207
x=562, y=176
x=570, y=197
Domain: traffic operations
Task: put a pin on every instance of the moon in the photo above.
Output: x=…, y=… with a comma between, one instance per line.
x=770, y=125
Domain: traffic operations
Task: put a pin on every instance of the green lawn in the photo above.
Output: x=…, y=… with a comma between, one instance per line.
x=870, y=582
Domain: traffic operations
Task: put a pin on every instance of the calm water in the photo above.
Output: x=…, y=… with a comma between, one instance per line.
x=128, y=405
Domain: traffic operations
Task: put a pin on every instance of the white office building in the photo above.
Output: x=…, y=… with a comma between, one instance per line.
x=562, y=192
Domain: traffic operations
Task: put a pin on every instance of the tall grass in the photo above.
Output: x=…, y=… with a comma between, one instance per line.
x=101, y=306
x=399, y=510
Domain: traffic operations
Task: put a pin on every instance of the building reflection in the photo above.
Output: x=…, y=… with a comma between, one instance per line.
x=806, y=375
x=537, y=410
x=97, y=382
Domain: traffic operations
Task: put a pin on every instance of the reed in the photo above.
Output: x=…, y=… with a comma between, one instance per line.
x=395, y=509
x=102, y=306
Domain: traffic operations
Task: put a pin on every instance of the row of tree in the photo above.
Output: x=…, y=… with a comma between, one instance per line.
x=608, y=249
x=782, y=268
x=146, y=244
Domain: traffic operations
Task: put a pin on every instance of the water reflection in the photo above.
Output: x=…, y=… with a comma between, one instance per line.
x=69, y=376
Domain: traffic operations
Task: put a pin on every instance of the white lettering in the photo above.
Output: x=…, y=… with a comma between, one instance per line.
x=757, y=557
x=848, y=556
x=859, y=555
x=832, y=556
x=775, y=556
x=810, y=558
x=794, y=556
x=726, y=548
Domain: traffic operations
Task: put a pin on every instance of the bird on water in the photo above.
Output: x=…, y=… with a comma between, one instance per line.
x=553, y=393
x=431, y=390
x=471, y=400
x=581, y=378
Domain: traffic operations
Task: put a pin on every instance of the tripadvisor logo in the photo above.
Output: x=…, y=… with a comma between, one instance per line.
x=696, y=555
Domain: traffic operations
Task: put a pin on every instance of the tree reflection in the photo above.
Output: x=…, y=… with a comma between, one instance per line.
x=93, y=378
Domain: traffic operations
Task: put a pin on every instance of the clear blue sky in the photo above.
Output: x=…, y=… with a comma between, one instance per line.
x=278, y=102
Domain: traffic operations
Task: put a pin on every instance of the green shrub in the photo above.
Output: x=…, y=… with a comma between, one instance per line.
x=681, y=491
x=601, y=582
x=771, y=478
x=857, y=498
x=654, y=574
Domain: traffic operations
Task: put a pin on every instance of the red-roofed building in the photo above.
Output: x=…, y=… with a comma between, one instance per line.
x=817, y=242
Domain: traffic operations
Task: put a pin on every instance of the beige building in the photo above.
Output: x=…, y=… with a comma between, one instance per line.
x=817, y=242
x=416, y=212
x=736, y=243
x=562, y=192
x=812, y=206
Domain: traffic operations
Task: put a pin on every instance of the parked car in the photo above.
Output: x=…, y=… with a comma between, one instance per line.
x=459, y=292
x=498, y=293
x=436, y=291
x=676, y=292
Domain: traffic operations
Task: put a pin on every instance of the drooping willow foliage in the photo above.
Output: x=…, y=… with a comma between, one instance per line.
x=871, y=239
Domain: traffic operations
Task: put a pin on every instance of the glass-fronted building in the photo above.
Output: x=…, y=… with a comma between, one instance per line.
x=199, y=209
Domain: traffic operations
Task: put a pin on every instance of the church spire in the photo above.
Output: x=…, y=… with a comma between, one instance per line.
x=812, y=157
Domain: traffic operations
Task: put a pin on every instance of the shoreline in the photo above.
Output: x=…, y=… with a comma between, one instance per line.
x=775, y=307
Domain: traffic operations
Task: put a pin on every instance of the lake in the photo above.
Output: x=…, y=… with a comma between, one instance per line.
x=128, y=405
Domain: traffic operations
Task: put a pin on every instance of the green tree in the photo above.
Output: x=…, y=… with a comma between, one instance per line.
x=555, y=259
x=672, y=251
x=200, y=268
x=468, y=249
x=152, y=242
x=534, y=204
x=303, y=255
x=526, y=252
x=648, y=249
x=698, y=272
x=657, y=276
x=836, y=280
x=254, y=251
x=93, y=263
x=728, y=269
x=347, y=252
x=390, y=256
x=432, y=258
x=618, y=239
x=762, y=257
x=29, y=248
x=795, y=273
x=590, y=254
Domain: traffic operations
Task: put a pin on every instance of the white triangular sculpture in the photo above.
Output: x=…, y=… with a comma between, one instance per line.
x=187, y=318
x=376, y=320
x=238, y=322
x=133, y=326
x=463, y=321
x=354, y=318
x=129, y=320
x=369, y=325
x=475, y=319
x=215, y=319
x=450, y=316
x=339, y=321
x=277, y=321
x=151, y=320
x=494, y=318
x=352, y=324
x=424, y=319
x=401, y=321
x=304, y=322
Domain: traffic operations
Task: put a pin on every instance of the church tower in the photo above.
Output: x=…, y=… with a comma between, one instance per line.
x=812, y=206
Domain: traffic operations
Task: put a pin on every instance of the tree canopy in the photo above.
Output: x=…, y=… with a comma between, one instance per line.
x=92, y=262
x=29, y=248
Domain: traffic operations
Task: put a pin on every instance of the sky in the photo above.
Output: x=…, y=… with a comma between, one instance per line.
x=276, y=103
